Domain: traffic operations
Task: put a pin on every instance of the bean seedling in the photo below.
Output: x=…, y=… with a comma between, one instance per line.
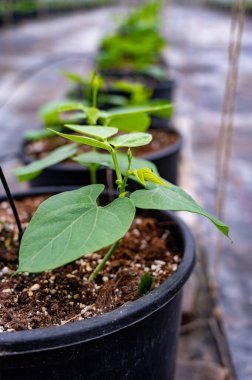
x=72, y=224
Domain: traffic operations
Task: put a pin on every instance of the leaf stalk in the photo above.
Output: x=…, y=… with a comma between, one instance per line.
x=99, y=267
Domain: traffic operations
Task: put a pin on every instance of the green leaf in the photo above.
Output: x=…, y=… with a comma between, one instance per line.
x=91, y=113
x=75, y=77
x=102, y=133
x=32, y=170
x=172, y=198
x=132, y=110
x=163, y=113
x=50, y=113
x=131, y=140
x=70, y=225
x=35, y=135
x=146, y=174
x=84, y=140
x=139, y=176
x=128, y=86
x=134, y=118
x=65, y=107
x=105, y=159
x=138, y=92
x=138, y=122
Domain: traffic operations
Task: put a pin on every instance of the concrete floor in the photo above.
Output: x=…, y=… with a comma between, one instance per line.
x=31, y=56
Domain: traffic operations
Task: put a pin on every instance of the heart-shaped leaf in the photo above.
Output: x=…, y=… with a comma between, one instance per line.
x=131, y=140
x=172, y=198
x=133, y=118
x=105, y=159
x=70, y=225
x=138, y=122
x=84, y=140
x=102, y=133
x=32, y=170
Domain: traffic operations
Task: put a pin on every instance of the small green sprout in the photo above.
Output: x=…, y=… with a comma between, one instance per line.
x=145, y=284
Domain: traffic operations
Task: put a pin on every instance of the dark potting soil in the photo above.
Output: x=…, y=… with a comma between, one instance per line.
x=29, y=301
x=40, y=149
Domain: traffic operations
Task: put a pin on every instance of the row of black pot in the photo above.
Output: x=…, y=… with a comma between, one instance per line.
x=136, y=341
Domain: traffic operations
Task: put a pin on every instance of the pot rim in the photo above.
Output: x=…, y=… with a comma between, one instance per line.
x=167, y=151
x=53, y=337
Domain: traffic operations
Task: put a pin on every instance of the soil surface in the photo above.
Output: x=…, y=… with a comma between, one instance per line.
x=40, y=149
x=29, y=301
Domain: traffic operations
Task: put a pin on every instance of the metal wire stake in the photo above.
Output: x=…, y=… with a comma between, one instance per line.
x=12, y=204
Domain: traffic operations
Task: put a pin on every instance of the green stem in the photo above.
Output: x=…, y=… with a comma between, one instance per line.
x=117, y=170
x=93, y=176
x=121, y=186
x=94, y=100
x=124, y=183
x=100, y=266
x=127, y=174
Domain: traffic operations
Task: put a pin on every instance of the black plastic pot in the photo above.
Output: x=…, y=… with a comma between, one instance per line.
x=69, y=174
x=72, y=174
x=137, y=341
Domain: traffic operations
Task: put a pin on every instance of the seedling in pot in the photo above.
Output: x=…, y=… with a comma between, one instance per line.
x=71, y=225
x=136, y=44
x=130, y=119
x=115, y=93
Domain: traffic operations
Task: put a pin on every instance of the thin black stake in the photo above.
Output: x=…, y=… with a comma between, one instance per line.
x=12, y=204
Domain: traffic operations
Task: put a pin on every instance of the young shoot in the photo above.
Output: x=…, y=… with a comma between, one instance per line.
x=130, y=119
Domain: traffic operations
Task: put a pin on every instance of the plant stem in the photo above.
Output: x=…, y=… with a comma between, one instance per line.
x=121, y=186
x=94, y=100
x=127, y=174
x=124, y=183
x=93, y=172
x=117, y=170
x=100, y=266
x=93, y=178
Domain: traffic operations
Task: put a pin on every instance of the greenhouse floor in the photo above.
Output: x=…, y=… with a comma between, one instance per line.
x=216, y=334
